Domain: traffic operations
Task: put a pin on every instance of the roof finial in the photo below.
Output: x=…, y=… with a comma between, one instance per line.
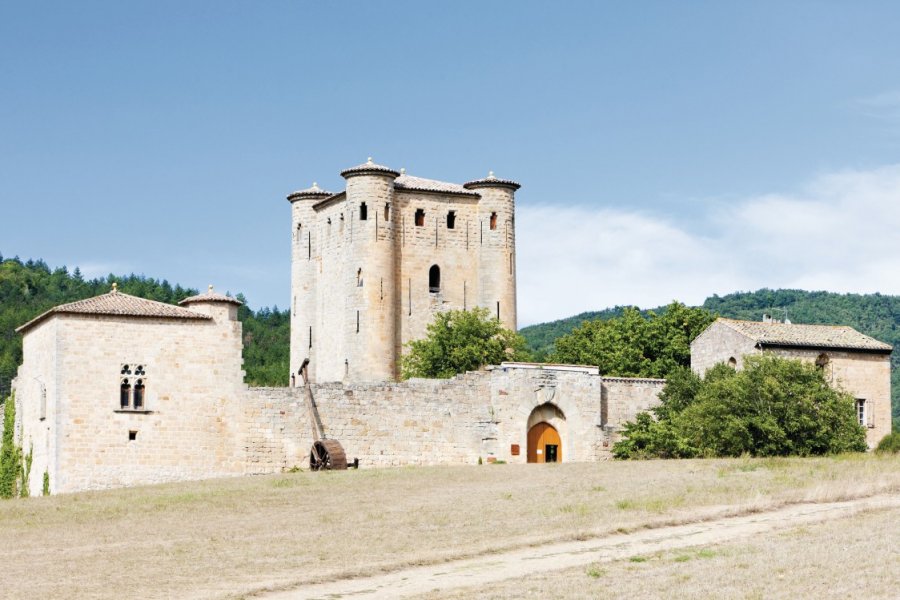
x=115, y=287
x=491, y=175
x=370, y=160
x=315, y=185
x=210, y=289
x=402, y=171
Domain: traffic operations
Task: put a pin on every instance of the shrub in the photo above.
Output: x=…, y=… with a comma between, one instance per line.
x=774, y=407
x=10, y=453
x=890, y=444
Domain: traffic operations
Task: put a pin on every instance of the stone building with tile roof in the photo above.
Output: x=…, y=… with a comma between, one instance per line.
x=851, y=361
x=374, y=263
x=118, y=390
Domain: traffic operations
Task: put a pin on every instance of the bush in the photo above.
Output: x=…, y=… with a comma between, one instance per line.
x=774, y=407
x=890, y=444
x=10, y=453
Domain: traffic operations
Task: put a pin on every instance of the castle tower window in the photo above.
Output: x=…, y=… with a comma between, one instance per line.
x=420, y=217
x=359, y=279
x=493, y=220
x=434, y=279
x=451, y=219
x=387, y=211
x=363, y=212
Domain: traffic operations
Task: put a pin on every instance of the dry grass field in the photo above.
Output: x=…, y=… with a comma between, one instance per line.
x=231, y=537
x=857, y=557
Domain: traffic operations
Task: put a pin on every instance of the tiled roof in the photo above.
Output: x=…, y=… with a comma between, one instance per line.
x=116, y=303
x=808, y=336
x=491, y=181
x=210, y=296
x=368, y=167
x=329, y=199
x=420, y=184
x=313, y=191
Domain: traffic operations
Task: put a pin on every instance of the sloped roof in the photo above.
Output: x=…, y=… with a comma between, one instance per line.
x=492, y=181
x=314, y=191
x=210, y=296
x=368, y=167
x=420, y=184
x=806, y=336
x=115, y=303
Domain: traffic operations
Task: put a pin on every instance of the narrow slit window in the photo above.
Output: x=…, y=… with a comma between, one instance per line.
x=451, y=219
x=387, y=211
x=359, y=279
x=493, y=220
x=420, y=217
x=363, y=212
x=434, y=279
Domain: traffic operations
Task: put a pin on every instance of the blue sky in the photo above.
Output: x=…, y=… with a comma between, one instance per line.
x=666, y=150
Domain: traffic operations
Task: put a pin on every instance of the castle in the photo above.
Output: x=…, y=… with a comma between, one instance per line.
x=118, y=390
x=372, y=265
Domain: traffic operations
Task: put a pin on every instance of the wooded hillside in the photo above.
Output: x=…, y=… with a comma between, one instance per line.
x=876, y=315
x=29, y=288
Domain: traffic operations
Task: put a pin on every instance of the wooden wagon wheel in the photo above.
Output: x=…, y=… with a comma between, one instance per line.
x=327, y=455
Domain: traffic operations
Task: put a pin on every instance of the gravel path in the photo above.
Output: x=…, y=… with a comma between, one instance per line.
x=492, y=568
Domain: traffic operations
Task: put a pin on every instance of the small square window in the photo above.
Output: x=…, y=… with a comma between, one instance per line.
x=132, y=435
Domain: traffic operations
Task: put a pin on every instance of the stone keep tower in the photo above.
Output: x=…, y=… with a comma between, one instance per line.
x=373, y=264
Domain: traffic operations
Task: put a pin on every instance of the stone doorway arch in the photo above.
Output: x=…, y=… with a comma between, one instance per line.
x=546, y=429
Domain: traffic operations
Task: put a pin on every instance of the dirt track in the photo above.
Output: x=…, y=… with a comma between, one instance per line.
x=492, y=568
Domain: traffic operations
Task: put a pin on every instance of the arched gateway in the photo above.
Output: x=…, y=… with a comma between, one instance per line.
x=544, y=441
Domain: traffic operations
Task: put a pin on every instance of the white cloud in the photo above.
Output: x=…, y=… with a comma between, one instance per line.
x=840, y=233
x=885, y=106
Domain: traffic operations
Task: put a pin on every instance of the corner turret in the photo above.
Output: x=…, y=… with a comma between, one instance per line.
x=371, y=345
x=303, y=273
x=497, y=237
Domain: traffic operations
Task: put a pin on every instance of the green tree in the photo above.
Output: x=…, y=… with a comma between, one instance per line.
x=773, y=407
x=460, y=341
x=634, y=345
x=10, y=453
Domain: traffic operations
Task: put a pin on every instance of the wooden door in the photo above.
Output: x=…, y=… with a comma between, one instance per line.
x=540, y=437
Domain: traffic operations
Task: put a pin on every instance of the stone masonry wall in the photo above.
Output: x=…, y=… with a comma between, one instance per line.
x=455, y=421
x=419, y=422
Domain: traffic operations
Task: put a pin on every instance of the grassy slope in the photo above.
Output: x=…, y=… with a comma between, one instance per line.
x=230, y=536
x=803, y=562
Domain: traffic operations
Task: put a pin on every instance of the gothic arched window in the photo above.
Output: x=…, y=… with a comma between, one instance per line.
x=125, y=394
